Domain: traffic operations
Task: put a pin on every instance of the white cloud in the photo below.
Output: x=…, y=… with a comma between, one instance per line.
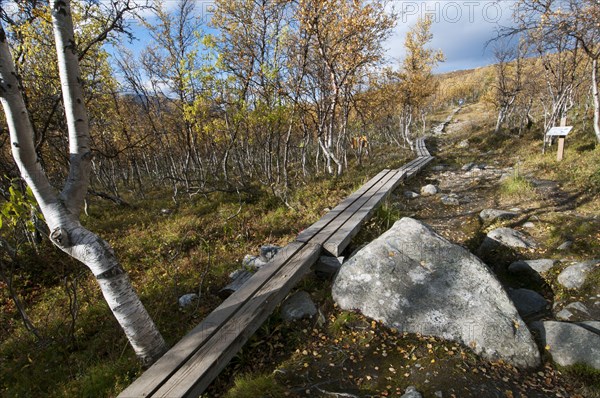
x=460, y=28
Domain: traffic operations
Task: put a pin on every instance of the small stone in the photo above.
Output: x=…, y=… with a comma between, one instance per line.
x=490, y=215
x=411, y=392
x=506, y=237
x=429, y=190
x=572, y=311
x=463, y=144
x=468, y=166
x=411, y=195
x=328, y=265
x=267, y=252
x=565, y=245
x=529, y=225
x=187, y=300
x=539, y=266
x=248, y=260
x=450, y=201
x=578, y=306
x=438, y=394
x=252, y=262
x=528, y=302
x=299, y=305
x=440, y=167
x=574, y=276
x=166, y=212
x=564, y=315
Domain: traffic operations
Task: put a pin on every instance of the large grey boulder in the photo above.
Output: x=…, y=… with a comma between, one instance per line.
x=573, y=277
x=490, y=215
x=569, y=343
x=528, y=302
x=414, y=280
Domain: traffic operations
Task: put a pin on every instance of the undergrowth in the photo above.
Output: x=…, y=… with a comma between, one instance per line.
x=168, y=250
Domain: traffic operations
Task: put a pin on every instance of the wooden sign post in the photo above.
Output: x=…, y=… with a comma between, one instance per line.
x=561, y=133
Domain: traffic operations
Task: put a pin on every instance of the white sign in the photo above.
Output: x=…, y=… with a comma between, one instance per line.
x=559, y=131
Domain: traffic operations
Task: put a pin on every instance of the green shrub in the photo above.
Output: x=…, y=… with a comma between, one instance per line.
x=249, y=386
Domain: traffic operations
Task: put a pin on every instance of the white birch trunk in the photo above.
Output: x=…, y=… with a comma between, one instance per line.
x=596, y=98
x=61, y=211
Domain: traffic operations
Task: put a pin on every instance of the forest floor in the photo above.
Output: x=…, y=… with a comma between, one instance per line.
x=170, y=249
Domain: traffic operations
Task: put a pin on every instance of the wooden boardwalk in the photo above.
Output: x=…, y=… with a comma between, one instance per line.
x=188, y=368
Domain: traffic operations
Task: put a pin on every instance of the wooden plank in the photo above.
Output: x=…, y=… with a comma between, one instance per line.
x=195, y=376
x=415, y=165
x=235, y=284
x=341, y=238
x=311, y=231
x=332, y=227
x=420, y=148
x=338, y=241
x=153, y=378
x=419, y=164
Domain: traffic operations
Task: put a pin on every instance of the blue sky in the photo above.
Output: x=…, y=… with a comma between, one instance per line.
x=460, y=29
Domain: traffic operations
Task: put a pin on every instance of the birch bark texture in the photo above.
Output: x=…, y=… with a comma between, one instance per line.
x=61, y=210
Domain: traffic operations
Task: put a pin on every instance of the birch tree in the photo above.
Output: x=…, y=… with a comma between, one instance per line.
x=416, y=78
x=573, y=19
x=346, y=40
x=61, y=210
x=508, y=84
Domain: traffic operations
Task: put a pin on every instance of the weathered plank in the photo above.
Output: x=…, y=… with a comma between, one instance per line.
x=236, y=284
x=153, y=378
x=419, y=164
x=337, y=242
x=206, y=363
x=420, y=148
x=342, y=237
x=333, y=226
x=311, y=231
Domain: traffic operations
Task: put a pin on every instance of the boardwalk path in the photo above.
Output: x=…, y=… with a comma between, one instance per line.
x=188, y=368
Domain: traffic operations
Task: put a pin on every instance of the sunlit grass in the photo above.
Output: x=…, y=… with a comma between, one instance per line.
x=517, y=186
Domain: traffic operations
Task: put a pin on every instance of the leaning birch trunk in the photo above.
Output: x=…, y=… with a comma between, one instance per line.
x=61, y=210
